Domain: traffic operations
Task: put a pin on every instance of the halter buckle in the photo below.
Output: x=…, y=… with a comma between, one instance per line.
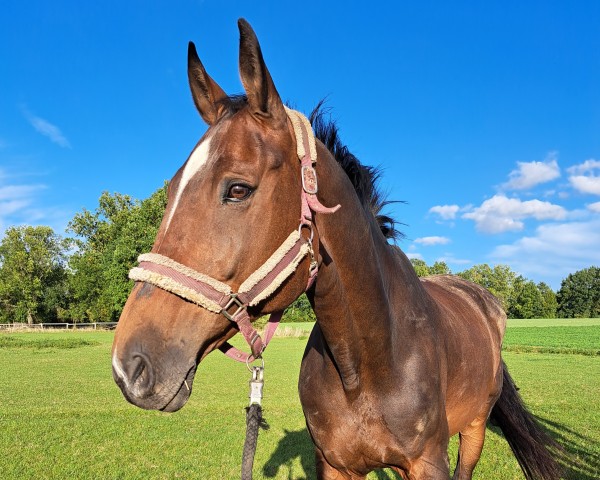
x=233, y=300
x=309, y=179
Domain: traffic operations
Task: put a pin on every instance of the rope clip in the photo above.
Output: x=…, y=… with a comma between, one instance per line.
x=256, y=385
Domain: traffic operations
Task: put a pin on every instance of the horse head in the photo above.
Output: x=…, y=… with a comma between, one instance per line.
x=230, y=206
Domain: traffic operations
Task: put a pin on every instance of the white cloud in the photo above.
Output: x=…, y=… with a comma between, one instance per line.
x=9, y=207
x=594, y=207
x=452, y=260
x=587, y=166
x=414, y=255
x=530, y=174
x=586, y=184
x=46, y=128
x=554, y=251
x=17, y=202
x=446, y=212
x=502, y=214
x=585, y=177
x=10, y=192
x=430, y=241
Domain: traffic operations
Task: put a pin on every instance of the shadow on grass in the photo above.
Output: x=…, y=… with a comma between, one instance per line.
x=581, y=457
x=583, y=462
x=298, y=444
x=294, y=444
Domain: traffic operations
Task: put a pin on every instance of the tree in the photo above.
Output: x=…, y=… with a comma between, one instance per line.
x=299, y=311
x=579, y=294
x=109, y=241
x=498, y=280
x=549, y=303
x=439, y=268
x=423, y=270
x=32, y=275
x=525, y=300
x=420, y=267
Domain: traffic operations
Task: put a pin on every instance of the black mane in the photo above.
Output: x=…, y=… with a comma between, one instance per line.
x=364, y=178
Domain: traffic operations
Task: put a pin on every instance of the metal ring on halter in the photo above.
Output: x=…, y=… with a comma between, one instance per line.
x=262, y=361
x=309, y=226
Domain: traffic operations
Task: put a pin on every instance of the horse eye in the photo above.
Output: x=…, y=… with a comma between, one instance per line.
x=238, y=192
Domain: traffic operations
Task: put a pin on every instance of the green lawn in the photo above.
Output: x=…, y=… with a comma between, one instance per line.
x=62, y=416
x=581, y=340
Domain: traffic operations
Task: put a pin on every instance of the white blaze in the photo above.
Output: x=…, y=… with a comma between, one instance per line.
x=197, y=159
x=119, y=370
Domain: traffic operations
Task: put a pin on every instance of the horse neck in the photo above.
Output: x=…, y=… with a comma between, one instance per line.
x=358, y=275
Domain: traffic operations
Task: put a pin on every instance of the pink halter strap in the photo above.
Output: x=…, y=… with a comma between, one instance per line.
x=216, y=296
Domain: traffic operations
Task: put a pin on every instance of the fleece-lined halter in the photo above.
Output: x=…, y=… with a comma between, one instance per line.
x=217, y=296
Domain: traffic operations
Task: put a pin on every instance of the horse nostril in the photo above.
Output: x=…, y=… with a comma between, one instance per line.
x=143, y=375
x=139, y=375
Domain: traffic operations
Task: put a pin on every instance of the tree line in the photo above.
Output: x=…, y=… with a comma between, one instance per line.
x=578, y=296
x=83, y=277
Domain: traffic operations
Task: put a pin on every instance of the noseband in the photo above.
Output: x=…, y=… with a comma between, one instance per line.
x=217, y=296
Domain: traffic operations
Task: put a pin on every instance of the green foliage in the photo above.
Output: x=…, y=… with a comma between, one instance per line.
x=33, y=284
x=299, y=311
x=579, y=294
x=420, y=267
x=439, y=268
x=423, y=270
x=526, y=300
x=549, y=305
x=109, y=241
x=499, y=280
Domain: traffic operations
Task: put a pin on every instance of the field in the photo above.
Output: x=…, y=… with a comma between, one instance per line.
x=62, y=416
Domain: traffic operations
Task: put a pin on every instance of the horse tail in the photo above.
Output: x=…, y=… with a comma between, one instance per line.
x=535, y=450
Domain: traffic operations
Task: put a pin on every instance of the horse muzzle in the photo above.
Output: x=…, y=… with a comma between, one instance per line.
x=145, y=386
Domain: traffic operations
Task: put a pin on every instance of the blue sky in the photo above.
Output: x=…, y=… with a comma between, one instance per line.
x=484, y=118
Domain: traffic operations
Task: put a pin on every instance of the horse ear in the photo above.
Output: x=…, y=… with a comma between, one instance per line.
x=262, y=95
x=205, y=91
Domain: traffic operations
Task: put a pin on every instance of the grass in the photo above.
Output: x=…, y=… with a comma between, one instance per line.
x=43, y=343
x=62, y=416
x=554, y=336
x=553, y=322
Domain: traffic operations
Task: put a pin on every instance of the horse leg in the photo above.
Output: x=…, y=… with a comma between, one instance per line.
x=326, y=472
x=432, y=465
x=469, y=449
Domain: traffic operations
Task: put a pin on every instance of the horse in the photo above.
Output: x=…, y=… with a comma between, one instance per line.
x=394, y=366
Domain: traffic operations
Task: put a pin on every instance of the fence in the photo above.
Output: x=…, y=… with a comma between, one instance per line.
x=58, y=326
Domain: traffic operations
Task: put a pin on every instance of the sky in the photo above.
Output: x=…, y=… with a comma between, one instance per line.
x=484, y=117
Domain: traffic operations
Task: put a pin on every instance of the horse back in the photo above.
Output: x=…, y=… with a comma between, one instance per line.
x=465, y=303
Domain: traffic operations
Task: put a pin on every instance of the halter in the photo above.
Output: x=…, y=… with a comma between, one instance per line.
x=217, y=296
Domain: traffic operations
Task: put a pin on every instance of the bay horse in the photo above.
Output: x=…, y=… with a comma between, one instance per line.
x=394, y=366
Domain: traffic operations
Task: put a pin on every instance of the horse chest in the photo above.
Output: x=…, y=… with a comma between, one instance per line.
x=366, y=432
x=350, y=438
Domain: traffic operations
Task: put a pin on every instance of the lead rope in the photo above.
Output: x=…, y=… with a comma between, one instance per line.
x=254, y=420
x=307, y=153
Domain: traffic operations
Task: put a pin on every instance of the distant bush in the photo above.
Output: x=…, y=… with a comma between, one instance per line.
x=300, y=311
